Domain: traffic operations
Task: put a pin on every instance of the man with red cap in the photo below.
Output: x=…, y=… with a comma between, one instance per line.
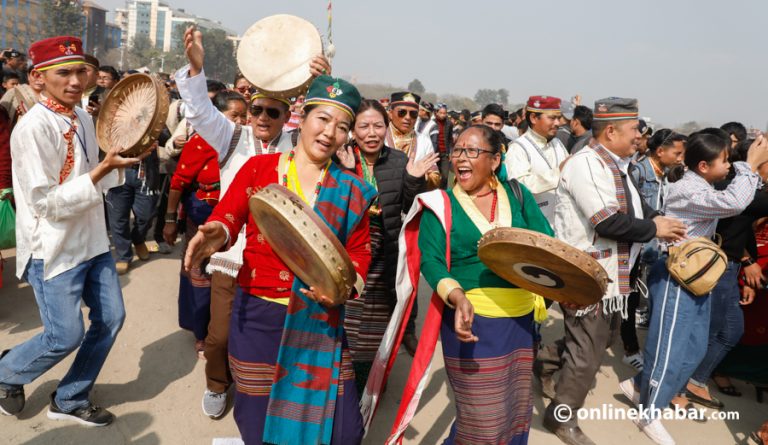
x=534, y=158
x=62, y=248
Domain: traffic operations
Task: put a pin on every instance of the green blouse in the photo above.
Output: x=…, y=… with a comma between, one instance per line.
x=466, y=268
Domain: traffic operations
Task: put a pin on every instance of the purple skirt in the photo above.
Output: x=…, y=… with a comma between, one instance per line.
x=255, y=331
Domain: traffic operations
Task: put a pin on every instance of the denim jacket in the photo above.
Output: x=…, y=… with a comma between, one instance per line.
x=652, y=190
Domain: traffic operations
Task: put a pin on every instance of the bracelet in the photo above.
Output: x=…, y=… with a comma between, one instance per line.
x=747, y=262
x=170, y=221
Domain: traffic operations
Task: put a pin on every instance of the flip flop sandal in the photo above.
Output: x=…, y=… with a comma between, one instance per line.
x=729, y=390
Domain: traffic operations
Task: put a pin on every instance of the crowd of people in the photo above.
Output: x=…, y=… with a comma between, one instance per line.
x=408, y=188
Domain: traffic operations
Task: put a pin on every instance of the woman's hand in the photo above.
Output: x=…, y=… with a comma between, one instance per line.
x=753, y=276
x=465, y=315
x=319, y=66
x=420, y=168
x=314, y=296
x=346, y=156
x=209, y=238
x=747, y=296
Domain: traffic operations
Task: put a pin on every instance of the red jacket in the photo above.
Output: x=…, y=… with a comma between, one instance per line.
x=198, y=165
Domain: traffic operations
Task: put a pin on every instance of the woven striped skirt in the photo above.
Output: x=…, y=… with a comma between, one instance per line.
x=255, y=331
x=367, y=317
x=195, y=285
x=491, y=380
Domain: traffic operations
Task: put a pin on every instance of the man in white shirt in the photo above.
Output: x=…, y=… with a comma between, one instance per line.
x=62, y=246
x=534, y=158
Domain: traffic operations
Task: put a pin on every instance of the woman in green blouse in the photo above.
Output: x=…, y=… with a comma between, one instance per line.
x=486, y=328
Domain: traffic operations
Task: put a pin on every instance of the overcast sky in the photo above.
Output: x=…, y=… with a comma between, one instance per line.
x=684, y=60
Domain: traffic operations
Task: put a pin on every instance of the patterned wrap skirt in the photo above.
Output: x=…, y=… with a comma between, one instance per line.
x=195, y=285
x=491, y=380
x=367, y=317
x=255, y=331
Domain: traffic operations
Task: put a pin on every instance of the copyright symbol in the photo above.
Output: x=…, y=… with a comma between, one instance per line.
x=563, y=413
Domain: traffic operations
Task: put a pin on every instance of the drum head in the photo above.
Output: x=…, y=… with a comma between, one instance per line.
x=133, y=114
x=543, y=265
x=274, y=54
x=303, y=241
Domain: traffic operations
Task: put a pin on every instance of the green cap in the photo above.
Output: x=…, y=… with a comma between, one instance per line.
x=327, y=90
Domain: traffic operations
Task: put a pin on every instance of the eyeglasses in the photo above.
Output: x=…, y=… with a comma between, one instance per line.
x=272, y=113
x=471, y=152
x=402, y=112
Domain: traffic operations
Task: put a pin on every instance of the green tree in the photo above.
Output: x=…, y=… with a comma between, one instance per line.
x=484, y=97
x=63, y=18
x=503, y=96
x=141, y=52
x=416, y=87
x=220, y=62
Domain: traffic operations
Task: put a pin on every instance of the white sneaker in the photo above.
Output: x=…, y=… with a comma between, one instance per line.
x=635, y=360
x=628, y=388
x=656, y=432
x=214, y=404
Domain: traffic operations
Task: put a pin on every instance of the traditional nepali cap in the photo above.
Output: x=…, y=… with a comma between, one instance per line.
x=615, y=109
x=263, y=95
x=441, y=106
x=427, y=106
x=644, y=128
x=404, y=98
x=476, y=114
x=567, y=109
x=55, y=52
x=543, y=104
x=91, y=60
x=327, y=90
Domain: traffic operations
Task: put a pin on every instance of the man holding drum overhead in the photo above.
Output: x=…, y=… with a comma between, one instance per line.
x=600, y=211
x=282, y=331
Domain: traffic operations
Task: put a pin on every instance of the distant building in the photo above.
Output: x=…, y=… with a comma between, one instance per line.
x=94, y=38
x=163, y=25
x=21, y=23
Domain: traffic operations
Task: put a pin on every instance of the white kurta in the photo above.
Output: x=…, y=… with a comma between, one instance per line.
x=586, y=196
x=536, y=164
x=217, y=130
x=61, y=224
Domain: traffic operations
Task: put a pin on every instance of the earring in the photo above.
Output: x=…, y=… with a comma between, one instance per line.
x=494, y=182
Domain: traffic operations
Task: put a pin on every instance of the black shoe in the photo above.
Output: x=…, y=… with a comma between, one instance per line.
x=90, y=415
x=11, y=399
x=546, y=379
x=713, y=403
x=570, y=435
x=411, y=343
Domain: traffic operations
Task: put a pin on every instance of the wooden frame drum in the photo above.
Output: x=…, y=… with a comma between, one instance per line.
x=543, y=265
x=303, y=241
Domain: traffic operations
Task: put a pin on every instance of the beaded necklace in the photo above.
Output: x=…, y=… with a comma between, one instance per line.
x=375, y=208
x=290, y=169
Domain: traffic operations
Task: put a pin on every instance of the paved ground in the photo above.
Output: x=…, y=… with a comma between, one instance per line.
x=153, y=382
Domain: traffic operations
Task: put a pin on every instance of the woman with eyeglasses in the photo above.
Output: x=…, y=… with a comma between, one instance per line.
x=292, y=371
x=486, y=324
x=398, y=180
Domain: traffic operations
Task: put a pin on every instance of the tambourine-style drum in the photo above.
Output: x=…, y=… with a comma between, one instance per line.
x=303, y=241
x=543, y=265
x=133, y=114
x=275, y=52
x=26, y=97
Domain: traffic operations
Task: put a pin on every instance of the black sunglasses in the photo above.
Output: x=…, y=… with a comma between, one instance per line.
x=272, y=113
x=413, y=113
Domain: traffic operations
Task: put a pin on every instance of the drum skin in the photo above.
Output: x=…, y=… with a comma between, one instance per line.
x=303, y=241
x=275, y=52
x=133, y=115
x=543, y=265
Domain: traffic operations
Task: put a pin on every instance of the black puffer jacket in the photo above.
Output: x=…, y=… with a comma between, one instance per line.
x=397, y=190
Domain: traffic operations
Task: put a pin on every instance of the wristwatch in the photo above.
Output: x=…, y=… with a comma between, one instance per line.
x=747, y=262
